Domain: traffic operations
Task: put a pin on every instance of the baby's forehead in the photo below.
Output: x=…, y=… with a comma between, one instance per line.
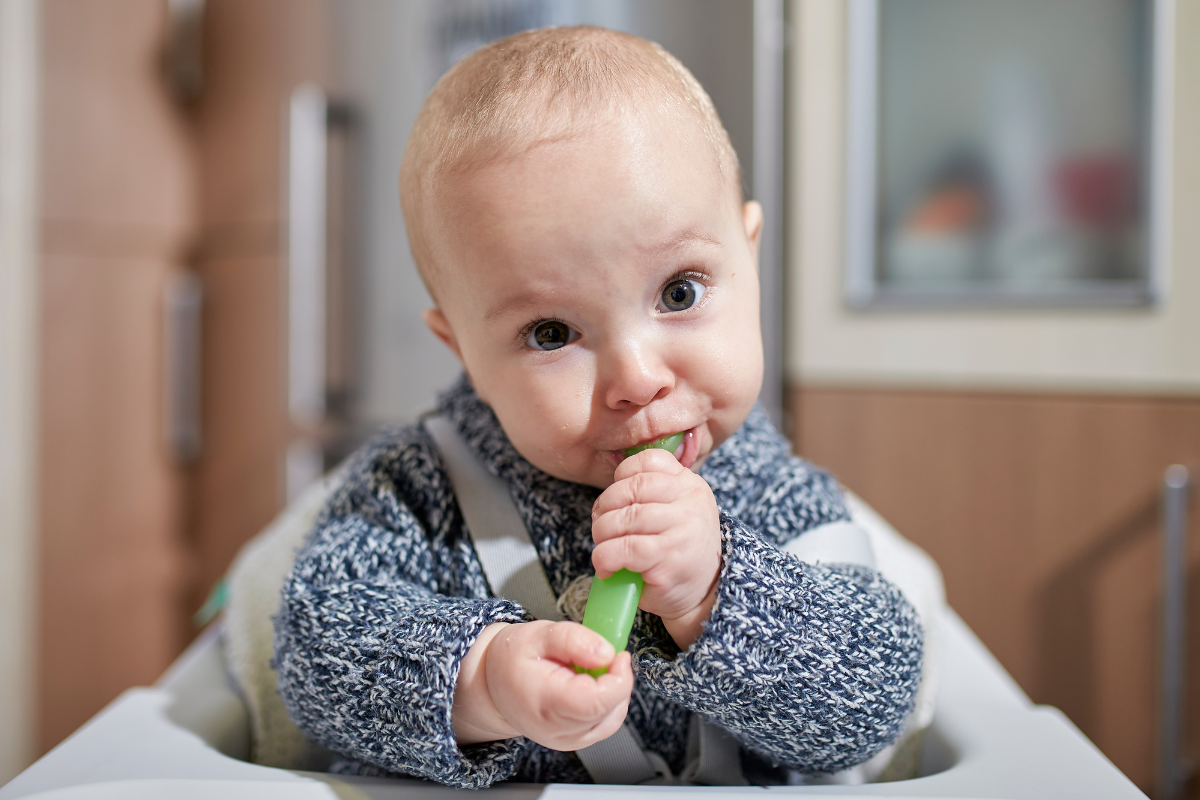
x=628, y=189
x=603, y=121
x=604, y=150
x=513, y=97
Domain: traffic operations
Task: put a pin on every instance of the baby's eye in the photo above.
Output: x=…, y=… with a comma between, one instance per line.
x=550, y=335
x=681, y=294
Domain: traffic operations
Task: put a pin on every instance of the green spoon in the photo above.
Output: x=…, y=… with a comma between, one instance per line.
x=669, y=443
x=613, y=601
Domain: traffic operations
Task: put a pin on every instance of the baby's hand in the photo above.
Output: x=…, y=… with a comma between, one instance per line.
x=529, y=687
x=660, y=519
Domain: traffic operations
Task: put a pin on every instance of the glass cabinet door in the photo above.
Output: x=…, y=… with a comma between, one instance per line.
x=1003, y=152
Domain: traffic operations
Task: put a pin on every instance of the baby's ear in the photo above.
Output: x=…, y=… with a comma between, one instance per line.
x=436, y=321
x=752, y=221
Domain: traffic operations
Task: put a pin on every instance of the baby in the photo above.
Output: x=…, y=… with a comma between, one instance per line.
x=573, y=204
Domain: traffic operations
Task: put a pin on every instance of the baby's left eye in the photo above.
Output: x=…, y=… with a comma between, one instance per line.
x=681, y=294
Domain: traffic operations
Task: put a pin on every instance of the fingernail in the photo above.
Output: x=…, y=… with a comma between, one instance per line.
x=604, y=649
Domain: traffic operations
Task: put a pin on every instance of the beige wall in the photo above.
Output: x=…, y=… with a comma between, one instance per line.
x=1153, y=350
x=18, y=376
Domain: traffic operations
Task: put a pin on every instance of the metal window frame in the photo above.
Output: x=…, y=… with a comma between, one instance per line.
x=770, y=43
x=861, y=287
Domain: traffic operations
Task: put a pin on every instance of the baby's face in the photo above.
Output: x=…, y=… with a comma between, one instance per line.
x=602, y=292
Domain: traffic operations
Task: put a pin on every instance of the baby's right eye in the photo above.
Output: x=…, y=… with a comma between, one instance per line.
x=550, y=335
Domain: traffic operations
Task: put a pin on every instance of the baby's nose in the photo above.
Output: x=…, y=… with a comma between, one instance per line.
x=636, y=376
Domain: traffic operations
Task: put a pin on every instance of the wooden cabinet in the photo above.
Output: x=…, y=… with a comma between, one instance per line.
x=256, y=53
x=134, y=188
x=1043, y=512
x=118, y=212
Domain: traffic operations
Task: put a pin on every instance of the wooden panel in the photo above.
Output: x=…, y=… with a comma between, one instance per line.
x=1043, y=512
x=110, y=609
x=118, y=200
x=117, y=159
x=131, y=189
x=257, y=52
x=237, y=488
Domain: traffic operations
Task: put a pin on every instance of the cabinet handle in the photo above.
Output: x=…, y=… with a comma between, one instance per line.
x=183, y=298
x=306, y=269
x=1173, y=770
x=311, y=117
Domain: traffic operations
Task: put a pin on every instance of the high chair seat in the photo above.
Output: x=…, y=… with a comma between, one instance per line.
x=256, y=578
x=193, y=734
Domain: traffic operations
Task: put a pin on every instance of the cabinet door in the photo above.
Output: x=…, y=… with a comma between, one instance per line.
x=117, y=190
x=256, y=53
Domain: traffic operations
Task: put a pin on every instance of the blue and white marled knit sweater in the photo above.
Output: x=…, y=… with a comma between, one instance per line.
x=810, y=667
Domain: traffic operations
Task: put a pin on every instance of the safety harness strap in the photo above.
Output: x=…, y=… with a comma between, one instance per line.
x=514, y=571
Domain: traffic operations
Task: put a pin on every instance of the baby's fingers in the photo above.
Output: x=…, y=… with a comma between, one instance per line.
x=644, y=487
x=571, y=644
x=652, y=460
x=606, y=727
x=583, y=698
x=635, y=520
x=634, y=553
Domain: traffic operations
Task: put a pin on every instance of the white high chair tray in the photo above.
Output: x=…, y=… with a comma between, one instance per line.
x=185, y=738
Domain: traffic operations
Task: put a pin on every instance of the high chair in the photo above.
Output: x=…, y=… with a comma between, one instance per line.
x=213, y=726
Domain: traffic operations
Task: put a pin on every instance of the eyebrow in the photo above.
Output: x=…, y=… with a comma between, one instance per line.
x=681, y=239
x=506, y=305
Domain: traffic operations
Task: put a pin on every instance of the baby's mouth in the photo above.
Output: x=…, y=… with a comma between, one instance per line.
x=686, y=451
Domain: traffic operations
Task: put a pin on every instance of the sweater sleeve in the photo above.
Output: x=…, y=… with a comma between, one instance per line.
x=813, y=667
x=378, y=612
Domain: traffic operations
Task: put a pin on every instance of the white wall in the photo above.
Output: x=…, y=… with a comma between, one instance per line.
x=1148, y=350
x=18, y=376
x=389, y=57
x=386, y=67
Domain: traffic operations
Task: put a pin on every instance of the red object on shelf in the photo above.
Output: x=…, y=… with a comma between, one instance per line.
x=1097, y=190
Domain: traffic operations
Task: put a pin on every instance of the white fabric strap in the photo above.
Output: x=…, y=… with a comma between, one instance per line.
x=713, y=756
x=513, y=570
x=619, y=759
x=510, y=561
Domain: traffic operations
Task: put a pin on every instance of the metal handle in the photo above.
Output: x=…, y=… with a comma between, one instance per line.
x=306, y=278
x=769, y=44
x=311, y=116
x=182, y=300
x=1172, y=774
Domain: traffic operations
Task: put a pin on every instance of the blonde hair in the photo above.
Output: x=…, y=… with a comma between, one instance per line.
x=537, y=86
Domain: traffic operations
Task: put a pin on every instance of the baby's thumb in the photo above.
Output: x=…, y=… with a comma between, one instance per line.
x=574, y=645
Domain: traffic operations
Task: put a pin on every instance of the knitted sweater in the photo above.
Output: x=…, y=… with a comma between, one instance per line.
x=812, y=667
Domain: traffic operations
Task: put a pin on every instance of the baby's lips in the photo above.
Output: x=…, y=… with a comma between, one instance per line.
x=683, y=445
x=689, y=451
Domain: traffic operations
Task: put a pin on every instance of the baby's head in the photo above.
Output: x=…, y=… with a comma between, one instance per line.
x=574, y=207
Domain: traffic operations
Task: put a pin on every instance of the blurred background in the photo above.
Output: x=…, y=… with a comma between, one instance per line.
x=981, y=301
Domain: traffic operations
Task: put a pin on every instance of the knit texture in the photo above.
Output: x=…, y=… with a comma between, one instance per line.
x=813, y=668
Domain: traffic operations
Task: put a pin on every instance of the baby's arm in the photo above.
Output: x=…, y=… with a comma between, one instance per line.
x=814, y=667
x=381, y=608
